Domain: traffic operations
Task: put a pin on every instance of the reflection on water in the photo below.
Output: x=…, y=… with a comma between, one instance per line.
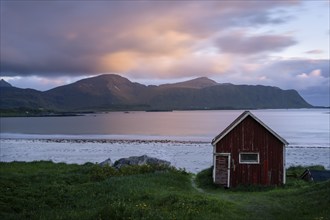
x=306, y=127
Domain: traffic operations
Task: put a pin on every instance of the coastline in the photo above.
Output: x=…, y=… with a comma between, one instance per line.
x=192, y=156
x=36, y=113
x=183, y=138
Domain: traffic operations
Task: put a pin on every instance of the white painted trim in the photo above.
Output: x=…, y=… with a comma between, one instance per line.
x=213, y=172
x=229, y=163
x=214, y=160
x=242, y=162
x=248, y=113
x=284, y=163
x=229, y=130
x=222, y=154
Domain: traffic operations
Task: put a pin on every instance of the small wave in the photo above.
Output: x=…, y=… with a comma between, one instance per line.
x=106, y=138
x=309, y=146
x=109, y=141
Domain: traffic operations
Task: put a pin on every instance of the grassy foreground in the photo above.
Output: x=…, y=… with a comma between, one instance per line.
x=45, y=190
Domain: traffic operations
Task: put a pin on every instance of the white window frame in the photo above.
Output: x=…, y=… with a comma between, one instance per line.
x=249, y=162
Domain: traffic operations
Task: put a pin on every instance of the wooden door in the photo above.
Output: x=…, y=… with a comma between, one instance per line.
x=222, y=171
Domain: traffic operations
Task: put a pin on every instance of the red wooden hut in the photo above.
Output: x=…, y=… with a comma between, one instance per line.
x=248, y=152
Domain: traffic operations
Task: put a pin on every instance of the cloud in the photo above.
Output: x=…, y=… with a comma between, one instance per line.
x=39, y=82
x=314, y=51
x=118, y=62
x=294, y=73
x=240, y=43
x=296, y=67
x=314, y=74
x=66, y=38
x=309, y=77
x=286, y=74
x=229, y=41
x=314, y=78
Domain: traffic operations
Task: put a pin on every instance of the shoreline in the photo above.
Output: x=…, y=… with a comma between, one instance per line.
x=83, y=113
x=108, y=141
x=193, y=156
x=108, y=137
x=119, y=140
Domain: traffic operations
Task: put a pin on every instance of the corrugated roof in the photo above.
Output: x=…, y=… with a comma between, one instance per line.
x=241, y=118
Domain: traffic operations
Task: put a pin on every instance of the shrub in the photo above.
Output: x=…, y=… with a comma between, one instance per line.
x=98, y=173
x=204, y=179
x=296, y=171
x=293, y=175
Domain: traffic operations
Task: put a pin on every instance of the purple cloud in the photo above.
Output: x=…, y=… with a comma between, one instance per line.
x=239, y=43
x=70, y=38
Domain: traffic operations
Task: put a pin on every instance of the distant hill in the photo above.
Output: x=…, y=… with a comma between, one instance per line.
x=114, y=92
x=197, y=83
x=3, y=83
x=101, y=92
x=13, y=98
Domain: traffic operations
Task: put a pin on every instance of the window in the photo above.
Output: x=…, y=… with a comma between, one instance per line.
x=249, y=158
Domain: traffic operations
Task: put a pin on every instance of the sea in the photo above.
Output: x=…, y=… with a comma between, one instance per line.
x=181, y=137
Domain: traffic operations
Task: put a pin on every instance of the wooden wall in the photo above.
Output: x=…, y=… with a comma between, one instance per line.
x=250, y=136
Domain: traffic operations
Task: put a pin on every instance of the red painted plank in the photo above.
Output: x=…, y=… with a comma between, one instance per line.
x=250, y=136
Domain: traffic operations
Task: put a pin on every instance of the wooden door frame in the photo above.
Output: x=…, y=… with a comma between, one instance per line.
x=228, y=165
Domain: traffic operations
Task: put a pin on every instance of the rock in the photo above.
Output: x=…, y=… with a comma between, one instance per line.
x=142, y=160
x=107, y=162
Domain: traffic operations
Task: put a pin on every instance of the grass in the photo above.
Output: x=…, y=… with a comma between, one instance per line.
x=45, y=190
x=298, y=199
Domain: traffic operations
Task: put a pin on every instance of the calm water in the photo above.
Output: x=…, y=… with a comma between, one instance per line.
x=303, y=127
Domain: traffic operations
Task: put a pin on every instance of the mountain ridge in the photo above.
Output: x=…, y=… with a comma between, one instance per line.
x=114, y=92
x=197, y=83
x=4, y=83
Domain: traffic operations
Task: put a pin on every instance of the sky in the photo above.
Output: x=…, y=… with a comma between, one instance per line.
x=45, y=44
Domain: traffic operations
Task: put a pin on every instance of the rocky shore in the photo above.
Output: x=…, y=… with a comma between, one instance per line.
x=135, y=160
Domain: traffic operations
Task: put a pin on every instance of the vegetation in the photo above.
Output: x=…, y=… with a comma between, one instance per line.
x=30, y=112
x=297, y=199
x=298, y=170
x=45, y=190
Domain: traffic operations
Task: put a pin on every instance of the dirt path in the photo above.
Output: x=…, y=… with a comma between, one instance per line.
x=223, y=196
x=193, y=184
x=253, y=203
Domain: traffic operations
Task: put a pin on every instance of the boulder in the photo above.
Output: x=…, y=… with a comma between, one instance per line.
x=107, y=162
x=142, y=160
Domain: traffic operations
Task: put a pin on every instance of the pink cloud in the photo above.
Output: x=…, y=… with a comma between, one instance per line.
x=314, y=51
x=70, y=38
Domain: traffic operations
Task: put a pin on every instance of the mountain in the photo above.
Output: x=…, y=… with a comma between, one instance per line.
x=101, y=92
x=228, y=96
x=114, y=92
x=12, y=97
x=3, y=83
x=197, y=83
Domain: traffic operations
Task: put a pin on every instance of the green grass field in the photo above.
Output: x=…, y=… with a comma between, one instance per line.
x=45, y=190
